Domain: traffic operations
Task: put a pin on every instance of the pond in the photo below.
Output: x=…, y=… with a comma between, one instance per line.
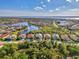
x=30, y=27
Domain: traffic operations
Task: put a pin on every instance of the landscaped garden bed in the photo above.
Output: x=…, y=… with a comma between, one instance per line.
x=38, y=50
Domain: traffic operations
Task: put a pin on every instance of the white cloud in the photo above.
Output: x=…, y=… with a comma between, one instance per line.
x=70, y=12
x=60, y=8
x=38, y=8
x=63, y=6
x=20, y=13
x=51, y=10
x=43, y=5
x=69, y=1
x=42, y=2
x=77, y=0
x=57, y=9
x=48, y=0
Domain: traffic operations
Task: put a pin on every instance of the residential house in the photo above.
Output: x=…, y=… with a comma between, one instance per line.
x=39, y=36
x=55, y=36
x=65, y=37
x=47, y=36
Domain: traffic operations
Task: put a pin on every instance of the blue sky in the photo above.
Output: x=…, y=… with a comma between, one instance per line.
x=39, y=7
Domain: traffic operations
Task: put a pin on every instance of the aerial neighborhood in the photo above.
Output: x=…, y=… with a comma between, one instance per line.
x=38, y=30
x=40, y=33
